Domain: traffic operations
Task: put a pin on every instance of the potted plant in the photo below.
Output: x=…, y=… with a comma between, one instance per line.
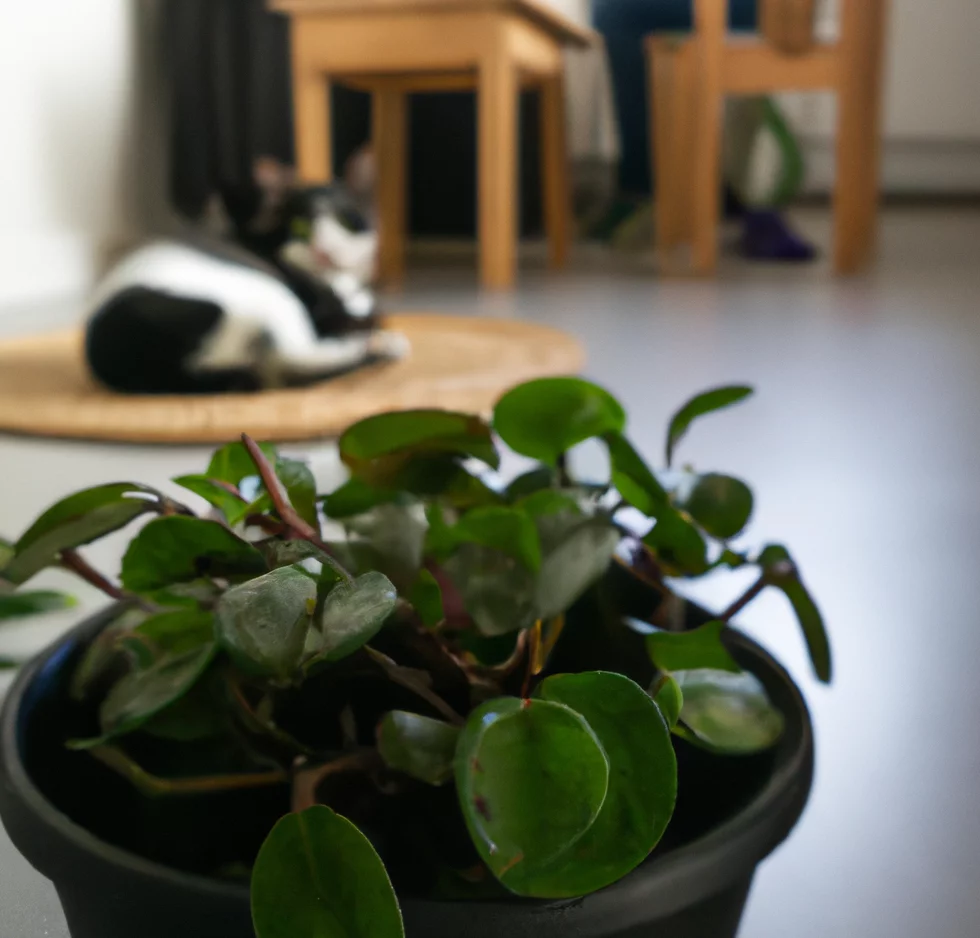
x=428, y=703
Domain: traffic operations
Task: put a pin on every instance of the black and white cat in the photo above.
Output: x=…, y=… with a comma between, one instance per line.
x=289, y=305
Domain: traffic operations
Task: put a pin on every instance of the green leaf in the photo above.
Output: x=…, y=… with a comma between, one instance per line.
x=509, y=530
x=545, y=418
x=498, y=591
x=535, y=480
x=379, y=448
x=178, y=632
x=668, y=697
x=633, y=479
x=727, y=713
x=263, y=623
x=678, y=544
x=531, y=778
x=426, y=598
x=721, y=504
x=178, y=548
x=781, y=571
x=214, y=493
x=142, y=694
x=194, y=717
x=550, y=502
x=280, y=553
x=78, y=519
x=642, y=782
x=317, y=876
x=21, y=605
x=390, y=538
x=698, y=406
x=353, y=614
x=7, y=552
x=300, y=486
x=686, y=651
x=355, y=497
x=418, y=746
x=573, y=565
x=232, y=463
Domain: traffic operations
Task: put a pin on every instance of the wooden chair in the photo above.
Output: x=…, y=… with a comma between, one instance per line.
x=394, y=47
x=690, y=78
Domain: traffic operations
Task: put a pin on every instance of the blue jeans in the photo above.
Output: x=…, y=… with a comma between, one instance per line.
x=624, y=24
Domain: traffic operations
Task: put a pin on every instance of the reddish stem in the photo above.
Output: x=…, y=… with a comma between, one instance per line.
x=72, y=560
x=747, y=597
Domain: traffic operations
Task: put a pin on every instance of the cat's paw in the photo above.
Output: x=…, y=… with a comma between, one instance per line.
x=388, y=344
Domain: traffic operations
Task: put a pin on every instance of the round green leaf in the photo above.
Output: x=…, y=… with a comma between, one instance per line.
x=545, y=418
x=214, y=493
x=232, y=463
x=668, y=697
x=300, y=486
x=727, y=713
x=353, y=614
x=426, y=598
x=532, y=778
x=263, y=623
x=633, y=479
x=509, y=530
x=721, y=504
x=497, y=591
x=535, y=480
x=418, y=746
x=355, y=497
x=178, y=632
x=317, y=876
x=685, y=651
x=642, y=782
x=142, y=694
x=78, y=519
x=571, y=567
x=178, y=548
x=678, y=544
x=705, y=403
x=21, y=605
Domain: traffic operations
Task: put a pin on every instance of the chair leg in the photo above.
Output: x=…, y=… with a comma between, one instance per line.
x=859, y=133
x=389, y=139
x=554, y=170
x=311, y=94
x=711, y=23
x=497, y=173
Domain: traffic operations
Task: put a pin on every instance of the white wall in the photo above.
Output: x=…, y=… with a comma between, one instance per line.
x=66, y=84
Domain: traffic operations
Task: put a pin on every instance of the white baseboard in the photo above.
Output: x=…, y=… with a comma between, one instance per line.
x=909, y=167
x=40, y=266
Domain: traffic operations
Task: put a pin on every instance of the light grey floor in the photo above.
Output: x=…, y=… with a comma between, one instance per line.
x=864, y=447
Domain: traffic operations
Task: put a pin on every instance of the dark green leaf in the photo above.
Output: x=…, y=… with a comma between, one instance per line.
x=686, y=651
x=142, y=694
x=232, y=463
x=418, y=746
x=353, y=614
x=720, y=504
x=176, y=549
x=509, y=530
x=679, y=546
x=727, y=713
x=498, y=592
x=669, y=698
x=545, y=418
x=178, y=632
x=550, y=502
x=279, y=553
x=195, y=716
x=78, y=519
x=214, y=493
x=317, y=876
x=390, y=538
x=530, y=482
x=573, y=565
x=642, y=782
x=301, y=488
x=7, y=552
x=633, y=479
x=21, y=605
x=781, y=571
x=9, y=664
x=426, y=597
x=263, y=623
x=532, y=778
x=705, y=403
x=355, y=497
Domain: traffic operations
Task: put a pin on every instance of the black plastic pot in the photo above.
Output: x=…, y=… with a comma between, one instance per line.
x=696, y=890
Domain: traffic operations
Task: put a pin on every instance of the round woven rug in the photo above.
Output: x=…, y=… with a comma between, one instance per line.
x=456, y=363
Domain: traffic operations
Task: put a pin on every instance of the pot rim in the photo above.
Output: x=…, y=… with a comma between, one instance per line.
x=679, y=878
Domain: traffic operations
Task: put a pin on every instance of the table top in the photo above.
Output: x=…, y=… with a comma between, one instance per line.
x=561, y=27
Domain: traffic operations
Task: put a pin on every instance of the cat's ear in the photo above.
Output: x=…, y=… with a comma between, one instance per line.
x=273, y=177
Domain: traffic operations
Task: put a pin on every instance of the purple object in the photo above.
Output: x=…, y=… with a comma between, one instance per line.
x=767, y=237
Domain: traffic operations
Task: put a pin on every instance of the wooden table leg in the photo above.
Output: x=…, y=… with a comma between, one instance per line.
x=554, y=170
x=311, y=93
x=497, y=170
x=858, y=132
x=389, y=138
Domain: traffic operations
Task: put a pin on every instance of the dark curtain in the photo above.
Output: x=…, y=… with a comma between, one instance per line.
x=231, y=101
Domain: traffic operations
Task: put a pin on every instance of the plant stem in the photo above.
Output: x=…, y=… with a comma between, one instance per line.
x=306, y=782
x=72, y=560
x=405, y=677
x=750, y=594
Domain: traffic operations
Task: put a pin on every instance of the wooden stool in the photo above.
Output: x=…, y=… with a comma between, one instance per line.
x=690, y=79
x=395, y=47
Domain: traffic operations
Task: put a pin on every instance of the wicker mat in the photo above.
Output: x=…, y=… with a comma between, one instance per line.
x=456, y=363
